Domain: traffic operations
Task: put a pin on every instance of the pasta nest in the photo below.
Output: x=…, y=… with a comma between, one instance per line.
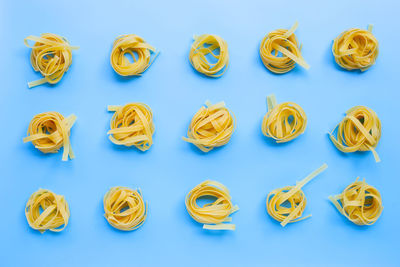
x=50, y=131
x=213, y=46
x=47, y=211
x=356, y=49
x=132, y=125
x=287, y=204
x=140, y=51
x=124, y=208
x=283, y=122
x=280, y=51
x=51, y=55
x=360, y=130
x=212, y=215
x=212, y=126
x=359, y=202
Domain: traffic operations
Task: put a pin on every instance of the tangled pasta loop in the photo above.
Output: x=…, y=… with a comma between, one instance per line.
x=208, y=45
x=279, y=51
x=212, y=215
x=47, y=211
x=212, y=126
x=138, y=49
x=359, y=202
x=287, y=204
x=360, y=130
x=124, y=208
x=50, y=131
x=356, y=49
x=283, y=122
x=51, y=55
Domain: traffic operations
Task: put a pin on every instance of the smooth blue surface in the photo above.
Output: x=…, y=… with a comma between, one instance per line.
x=250, y=166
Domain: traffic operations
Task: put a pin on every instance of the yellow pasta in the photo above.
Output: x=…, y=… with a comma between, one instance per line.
x=356, y=49
x=47, y=211
x=287, y=204
x=50, y=131
x=283, y=122
x=208, y=45
x=359, y=202
x=140, y=51
x=214, y=215
x=280, y=51
x=212, y=126
x=124, y=208
x=51, y=55
x=360, y=130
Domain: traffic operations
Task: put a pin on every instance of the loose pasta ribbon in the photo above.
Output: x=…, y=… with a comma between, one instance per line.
x=124, y=208
x=47, y=211
x=51, y=55
x=213, y=215
x=50, y=131
x=283, y=122
x=287, y=204
x=140, y=51
x=280, y=51
x=209, y=45
x=359, y=202
x=132, y=125
x=360, y=130
x=356, y=49
x=212, y=126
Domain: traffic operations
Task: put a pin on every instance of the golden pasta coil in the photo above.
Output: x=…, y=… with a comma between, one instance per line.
x=51, y=55
x=46, y=210
x=359, y=202
x=124, y=208
x=208, y=45
x=213, y=215
x=280, y=51
x=50, y=131
x=287, y=204
x=212, y=126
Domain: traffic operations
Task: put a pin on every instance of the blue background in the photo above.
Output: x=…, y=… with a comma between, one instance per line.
x=250, y=165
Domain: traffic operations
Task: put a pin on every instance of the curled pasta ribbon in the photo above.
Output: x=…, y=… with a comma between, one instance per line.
x=208, y=45
x=359, y=202
x=356, y=49
x=124, y=208
x=50, y=131
x=280, y=51
x=287, y=204
x=132, y=125
x=47, y=211
x=360, y=130
x=213, y=215
x=51, y=55
x=212, y=126
x=283, y=122
x=138, y=49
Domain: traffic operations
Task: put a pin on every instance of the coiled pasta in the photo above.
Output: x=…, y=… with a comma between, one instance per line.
x=50, y=131
x=212, y=126
x=213, y=215
x=140, y=51
x=51, y=55
x=280, y=51
x=356, y=49
x=287, y=204
x=360, y=130
x=132, y=125
x=213, y=46
x=124, y=208
x=283, y=122
x=359, y=202
x=47, y=211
